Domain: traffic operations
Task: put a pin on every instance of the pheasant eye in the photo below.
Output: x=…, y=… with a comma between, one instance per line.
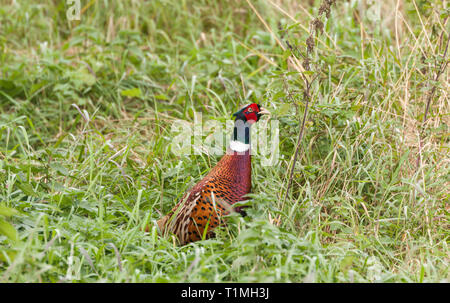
x=250, y=110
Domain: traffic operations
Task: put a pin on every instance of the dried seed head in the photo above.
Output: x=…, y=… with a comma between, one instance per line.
x=310, y=44
x=317, y=25
x=281, y=30
x=288, y=45
x=306, y=64
x=325, y=7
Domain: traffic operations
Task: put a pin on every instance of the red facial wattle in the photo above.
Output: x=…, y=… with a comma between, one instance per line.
x=251, y=113
x=251, y=117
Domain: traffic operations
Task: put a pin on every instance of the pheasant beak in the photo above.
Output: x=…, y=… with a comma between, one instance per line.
x=263, y=111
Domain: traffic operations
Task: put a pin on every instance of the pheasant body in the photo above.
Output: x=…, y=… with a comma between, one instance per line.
x=202, y=208
x=209, y=200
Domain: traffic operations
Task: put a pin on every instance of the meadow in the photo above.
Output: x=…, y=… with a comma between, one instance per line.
x=86, y=114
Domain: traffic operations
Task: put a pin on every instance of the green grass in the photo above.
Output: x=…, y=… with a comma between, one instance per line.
x=86, y=110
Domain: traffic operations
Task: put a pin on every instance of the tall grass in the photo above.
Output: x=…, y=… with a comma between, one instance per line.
x=86, y=109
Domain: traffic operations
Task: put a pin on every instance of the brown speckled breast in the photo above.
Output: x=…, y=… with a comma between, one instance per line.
x=201, y=208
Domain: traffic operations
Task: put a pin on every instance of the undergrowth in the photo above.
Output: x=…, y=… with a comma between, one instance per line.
x=86, y=110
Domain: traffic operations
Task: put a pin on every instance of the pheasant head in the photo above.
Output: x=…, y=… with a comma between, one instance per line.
x=250, y=113
x=244, y=119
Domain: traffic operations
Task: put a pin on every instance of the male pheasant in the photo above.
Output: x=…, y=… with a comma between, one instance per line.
x=202, y=207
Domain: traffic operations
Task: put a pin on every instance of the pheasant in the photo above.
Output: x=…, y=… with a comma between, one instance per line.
x=203, y=207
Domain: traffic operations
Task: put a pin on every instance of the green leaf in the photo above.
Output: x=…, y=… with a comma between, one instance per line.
x=8, y=230
x=27, y=189
x=59, y=168
x=7, y=255
x=83, y=76
x=161, y=97
x=86, y=77
x=134, y=92
x=284, y=109
x=346, y=263
x=7, y=211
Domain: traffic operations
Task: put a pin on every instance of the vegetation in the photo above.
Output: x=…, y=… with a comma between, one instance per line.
x=86, y=109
